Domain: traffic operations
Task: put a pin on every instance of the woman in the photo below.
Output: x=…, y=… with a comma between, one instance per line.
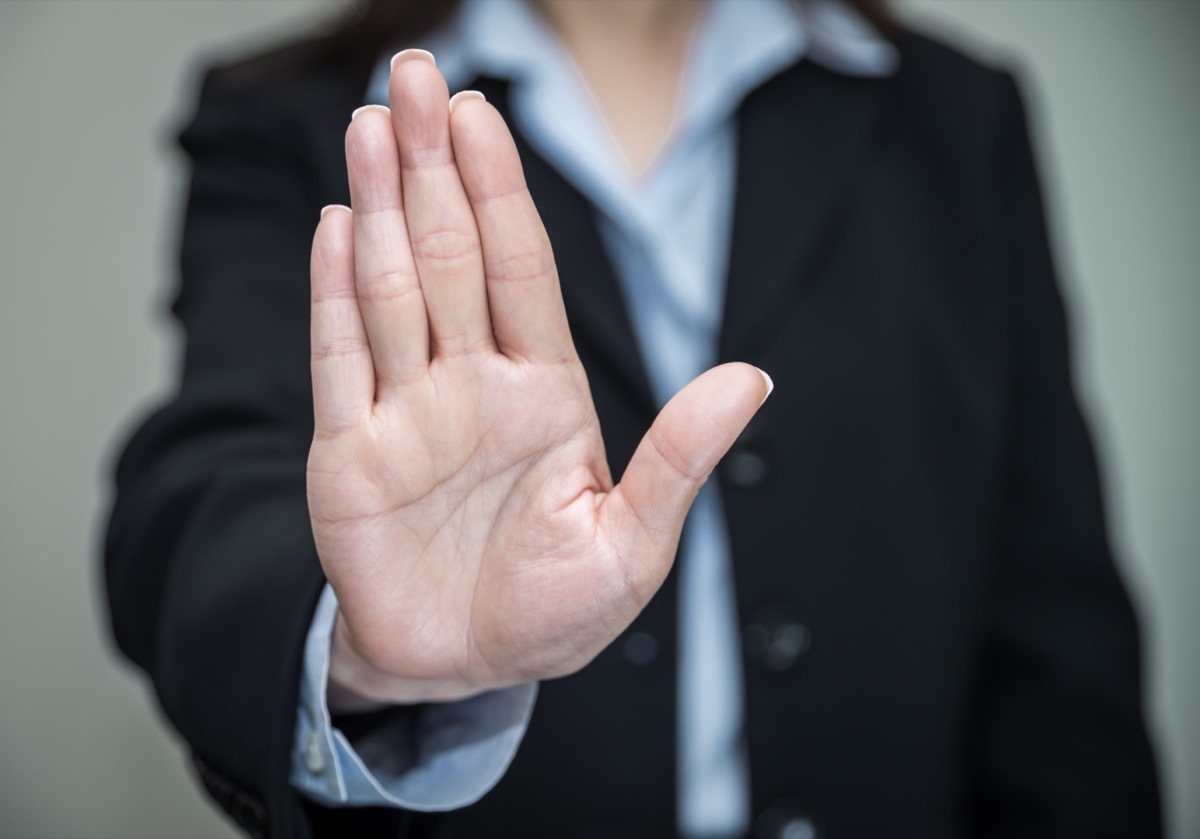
x=894, y=612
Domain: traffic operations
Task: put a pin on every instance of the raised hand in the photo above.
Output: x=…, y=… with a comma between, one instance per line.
x=459, y=493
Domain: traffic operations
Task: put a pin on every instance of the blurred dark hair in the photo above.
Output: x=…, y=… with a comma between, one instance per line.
x=354, y=40
x=371, y=26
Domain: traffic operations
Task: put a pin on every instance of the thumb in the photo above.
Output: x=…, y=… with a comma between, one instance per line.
x=690, y=435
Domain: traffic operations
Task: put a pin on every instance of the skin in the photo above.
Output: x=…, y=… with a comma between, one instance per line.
x=632, y=55
x=458, y=488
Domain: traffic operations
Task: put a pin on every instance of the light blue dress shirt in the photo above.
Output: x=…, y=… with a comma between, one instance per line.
x=668, y=235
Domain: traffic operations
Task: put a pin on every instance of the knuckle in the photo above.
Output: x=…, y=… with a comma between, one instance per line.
x=383, y=286
x=334, y=296
x=510, y=194
x=445, y=245
x=341, y=347
x=522, y=267
x=674, y=458
x=415, y=157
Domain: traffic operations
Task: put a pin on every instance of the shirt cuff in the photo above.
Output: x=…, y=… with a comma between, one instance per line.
x=436, y=756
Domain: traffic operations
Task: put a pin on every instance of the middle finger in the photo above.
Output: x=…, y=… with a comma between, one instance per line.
x=441, y=225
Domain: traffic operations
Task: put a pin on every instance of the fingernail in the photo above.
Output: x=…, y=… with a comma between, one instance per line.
x=329, y=207
x=770, y=386
x=358, y=111
x=465, y=94
x=405, y=55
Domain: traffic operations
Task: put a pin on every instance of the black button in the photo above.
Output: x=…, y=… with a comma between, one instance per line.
x=744, y=468
x=787, y=820
x=747, y=464
x=775, y=639
x=640, y=648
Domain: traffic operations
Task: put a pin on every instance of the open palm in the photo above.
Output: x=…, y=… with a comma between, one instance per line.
x=458, y=488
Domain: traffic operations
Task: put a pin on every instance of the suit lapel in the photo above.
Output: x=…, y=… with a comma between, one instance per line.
x=806, y=141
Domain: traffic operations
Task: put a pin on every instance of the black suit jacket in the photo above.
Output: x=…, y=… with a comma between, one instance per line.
x=937, y=642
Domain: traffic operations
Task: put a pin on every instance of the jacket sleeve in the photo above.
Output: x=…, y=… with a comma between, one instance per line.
x=1062, y=748
x=211, y=573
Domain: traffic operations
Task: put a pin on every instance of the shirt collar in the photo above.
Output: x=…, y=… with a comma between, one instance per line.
x=739, y=45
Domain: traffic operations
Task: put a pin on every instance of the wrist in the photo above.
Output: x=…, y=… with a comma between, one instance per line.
x=357, y=686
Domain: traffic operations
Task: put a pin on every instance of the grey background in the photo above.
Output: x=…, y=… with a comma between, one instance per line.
x=90, y=92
